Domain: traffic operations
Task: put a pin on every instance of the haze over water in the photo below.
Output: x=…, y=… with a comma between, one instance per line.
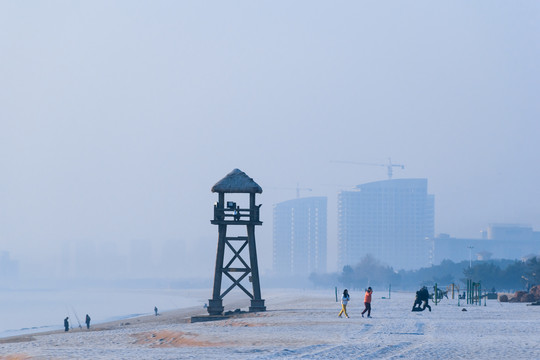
x=117, y=118
x=29, y=311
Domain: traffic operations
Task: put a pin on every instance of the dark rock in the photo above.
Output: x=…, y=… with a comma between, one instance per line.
x=535, y=291
x=519, y=294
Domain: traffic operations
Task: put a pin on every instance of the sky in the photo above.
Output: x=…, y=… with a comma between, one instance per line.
x=117, y=117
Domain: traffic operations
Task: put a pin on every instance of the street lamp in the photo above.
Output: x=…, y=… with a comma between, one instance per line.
x=470, y=247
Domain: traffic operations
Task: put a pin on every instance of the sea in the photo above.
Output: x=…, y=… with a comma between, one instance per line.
x=30, y=311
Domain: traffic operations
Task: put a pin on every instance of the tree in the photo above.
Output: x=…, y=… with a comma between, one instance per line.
x=347, y=276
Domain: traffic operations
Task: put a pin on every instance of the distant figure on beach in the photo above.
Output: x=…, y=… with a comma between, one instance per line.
x=87, y=321
x=345, y=298
x=417, y=302
x=237, y=213
x=367, y=302
x=155, y=310
x=425, y=298
x=66, y=324
x=422, y=297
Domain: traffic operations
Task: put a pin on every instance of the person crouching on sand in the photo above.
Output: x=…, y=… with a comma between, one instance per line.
x=367, y=302
x=345, y=298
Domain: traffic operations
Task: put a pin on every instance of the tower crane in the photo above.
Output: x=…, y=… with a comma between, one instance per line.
x=389, y=166
x=297, y=188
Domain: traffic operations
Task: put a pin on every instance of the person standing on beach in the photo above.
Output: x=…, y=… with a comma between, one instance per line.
x=87, y=321
x=66, y=324
x=155, y=310
x=345, y=298
x=367, y=302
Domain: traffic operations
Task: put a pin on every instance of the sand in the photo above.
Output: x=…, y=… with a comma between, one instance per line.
x=303, y=324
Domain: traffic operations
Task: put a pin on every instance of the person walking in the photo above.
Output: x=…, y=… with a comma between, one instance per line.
x=87, y=321
x=345, y=298
x=66, y=324
x=367, y=302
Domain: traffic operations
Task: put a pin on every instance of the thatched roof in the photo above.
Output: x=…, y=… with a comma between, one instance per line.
x=237, y=182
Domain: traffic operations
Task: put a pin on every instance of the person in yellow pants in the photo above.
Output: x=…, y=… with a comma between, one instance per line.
x=345, y=298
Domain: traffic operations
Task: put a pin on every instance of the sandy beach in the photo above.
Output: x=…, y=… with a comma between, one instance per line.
x=302, y=324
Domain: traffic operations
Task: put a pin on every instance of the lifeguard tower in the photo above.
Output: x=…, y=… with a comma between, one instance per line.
x=237, y=268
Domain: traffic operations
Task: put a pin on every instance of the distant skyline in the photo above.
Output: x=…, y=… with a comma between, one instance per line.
x=116, y=118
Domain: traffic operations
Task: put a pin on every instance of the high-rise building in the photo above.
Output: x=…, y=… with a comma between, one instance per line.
x=300, y=236
x=392, y=220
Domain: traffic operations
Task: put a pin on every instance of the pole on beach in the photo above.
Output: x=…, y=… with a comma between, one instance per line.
x=336, y=294
x=479, y=293
x=389, y=291
x=76, y=317
x=468, y=291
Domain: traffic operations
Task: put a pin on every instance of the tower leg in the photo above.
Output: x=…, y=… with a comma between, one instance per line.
x=215, y=305
x=257, y=304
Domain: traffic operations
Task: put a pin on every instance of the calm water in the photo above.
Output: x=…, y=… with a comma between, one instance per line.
x=31, y=311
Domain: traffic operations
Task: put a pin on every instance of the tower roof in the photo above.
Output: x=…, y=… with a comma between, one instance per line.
x=237, y=182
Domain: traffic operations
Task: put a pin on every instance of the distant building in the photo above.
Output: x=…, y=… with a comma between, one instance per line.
x=141, y=259
x=86, y=261
x=9, y=268
x=512, y=232
x=499, y=241
x=91, y=259
x=173, y=253
x=392, y=220
x=299, y=236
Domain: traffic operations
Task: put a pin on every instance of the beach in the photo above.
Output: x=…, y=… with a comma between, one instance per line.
x=302, y=324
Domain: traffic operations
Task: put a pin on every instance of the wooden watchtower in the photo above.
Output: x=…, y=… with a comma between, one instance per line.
x=236, y=268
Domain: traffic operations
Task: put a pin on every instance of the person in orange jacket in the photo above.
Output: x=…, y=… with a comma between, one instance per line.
x=367, y=302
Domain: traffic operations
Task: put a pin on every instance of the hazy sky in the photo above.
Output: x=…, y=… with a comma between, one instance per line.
x=117, y=117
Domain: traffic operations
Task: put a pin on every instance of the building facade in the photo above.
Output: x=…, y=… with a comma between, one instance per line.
x=391, y=220
x=499, y=241
x=299, y=236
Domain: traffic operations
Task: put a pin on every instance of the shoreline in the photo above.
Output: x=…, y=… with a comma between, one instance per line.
x=177, y=316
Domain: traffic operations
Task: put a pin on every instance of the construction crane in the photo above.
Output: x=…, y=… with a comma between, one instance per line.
x=389, y=166
x=297, y=188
